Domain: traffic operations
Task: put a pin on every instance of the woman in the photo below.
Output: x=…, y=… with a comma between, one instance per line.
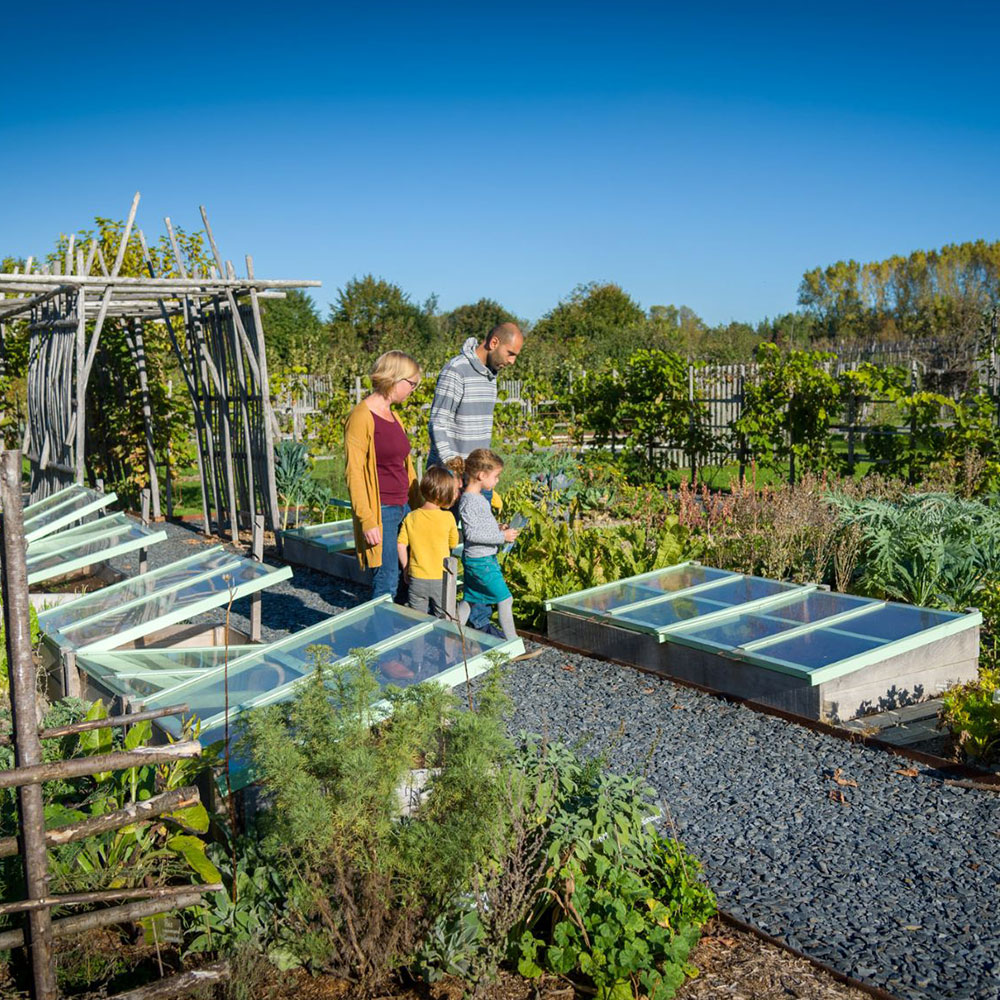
x=381, y=480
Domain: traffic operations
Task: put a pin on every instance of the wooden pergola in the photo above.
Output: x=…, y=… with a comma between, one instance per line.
x=213, y=321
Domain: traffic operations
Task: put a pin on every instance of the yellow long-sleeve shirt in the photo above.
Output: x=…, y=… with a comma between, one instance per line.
x=430, y=535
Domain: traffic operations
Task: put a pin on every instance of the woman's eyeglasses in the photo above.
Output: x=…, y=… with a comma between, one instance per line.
x=413, y=384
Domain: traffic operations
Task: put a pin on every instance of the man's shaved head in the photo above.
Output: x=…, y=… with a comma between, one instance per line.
x=501, y=346
x=505, y=333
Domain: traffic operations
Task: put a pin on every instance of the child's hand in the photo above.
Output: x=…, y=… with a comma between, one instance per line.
x=510, y=534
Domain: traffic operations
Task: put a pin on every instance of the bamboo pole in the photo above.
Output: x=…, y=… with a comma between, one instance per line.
x=24, y=709
x=134, y=812
x=267, y=413
x=111, y=722
x=137, y=346
x=190, y=379
x=183, y=897
x=80, y=767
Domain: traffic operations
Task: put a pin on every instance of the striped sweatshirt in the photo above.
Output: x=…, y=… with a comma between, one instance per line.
x=461, y=418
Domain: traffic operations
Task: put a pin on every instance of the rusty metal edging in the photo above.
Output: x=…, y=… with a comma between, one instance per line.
x=841, y=977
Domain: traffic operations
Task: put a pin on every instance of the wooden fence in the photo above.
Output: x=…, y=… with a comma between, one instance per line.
x=30, y=771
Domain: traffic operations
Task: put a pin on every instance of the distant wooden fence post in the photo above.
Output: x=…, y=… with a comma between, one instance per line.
x=23, y=705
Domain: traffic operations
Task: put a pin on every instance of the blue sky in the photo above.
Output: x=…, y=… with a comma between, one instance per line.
x=700, y=157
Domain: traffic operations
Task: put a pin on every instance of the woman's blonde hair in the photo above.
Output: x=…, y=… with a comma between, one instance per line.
x=393, y=367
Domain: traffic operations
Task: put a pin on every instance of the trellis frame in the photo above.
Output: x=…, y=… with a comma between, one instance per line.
x=220, y=352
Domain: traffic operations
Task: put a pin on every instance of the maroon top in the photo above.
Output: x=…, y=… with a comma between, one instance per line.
x=391, y=449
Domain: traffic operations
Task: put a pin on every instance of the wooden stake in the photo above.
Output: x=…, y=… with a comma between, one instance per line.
x=27, y=745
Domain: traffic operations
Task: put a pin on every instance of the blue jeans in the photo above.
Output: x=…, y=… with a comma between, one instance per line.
x=386, y=578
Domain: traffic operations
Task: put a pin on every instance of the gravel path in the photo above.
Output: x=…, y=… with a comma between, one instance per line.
x=894, y=880
x=897, y=885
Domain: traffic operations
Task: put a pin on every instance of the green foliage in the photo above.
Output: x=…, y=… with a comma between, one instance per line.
x=788, y=409
x=295, y=483
x=294, y=331
x=554, y=556
x=620, y=907
x=972, y=713
x=937, y=293
x=247, y=913
x=367, y=882
x=928, y=549
x=475, y=320
x=169, y=849
x=36, y=638
x=644, y=403
x=374, y=315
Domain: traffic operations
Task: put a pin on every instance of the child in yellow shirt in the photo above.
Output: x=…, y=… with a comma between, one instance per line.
x=426, y=538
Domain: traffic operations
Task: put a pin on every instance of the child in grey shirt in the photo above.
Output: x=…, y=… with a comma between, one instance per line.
x=482, y=538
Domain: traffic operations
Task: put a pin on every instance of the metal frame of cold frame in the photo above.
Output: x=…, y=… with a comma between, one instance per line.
x=753, y=652
x=104, y=530
x=59, y=635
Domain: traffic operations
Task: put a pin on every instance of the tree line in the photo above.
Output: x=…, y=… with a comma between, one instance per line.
x=938, y=295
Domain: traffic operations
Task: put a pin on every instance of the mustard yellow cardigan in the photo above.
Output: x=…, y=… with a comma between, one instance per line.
x=362, y=482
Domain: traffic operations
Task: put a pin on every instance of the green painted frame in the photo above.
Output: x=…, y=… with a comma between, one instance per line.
x=35, y=530
x=421, y=625
x=753, y=652
x=104, y=528
x=60, y=638
x=555, y=603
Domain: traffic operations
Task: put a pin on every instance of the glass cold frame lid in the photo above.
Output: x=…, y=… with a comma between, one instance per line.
x=61, y=509
x=332, y=535
x=617, y=595
x=139, y=673
x=886, y=629
x=129, y=610
x=801, y=609
x=406, y=648
x=669, y=611
x=66, y=551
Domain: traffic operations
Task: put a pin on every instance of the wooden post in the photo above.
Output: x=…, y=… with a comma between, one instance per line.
x=257, y=554
x=137, y=347
x=143, y=554
x=449, y=588
x=267, y=411
x=72, y=688
x=81, y=385
x=741, y=445
x=691, y=425
x=27, y=745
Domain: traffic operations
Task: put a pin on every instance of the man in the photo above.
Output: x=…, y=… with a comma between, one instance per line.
x=461, y=418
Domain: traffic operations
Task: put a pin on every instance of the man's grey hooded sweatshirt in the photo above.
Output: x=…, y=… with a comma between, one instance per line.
x=461, y=417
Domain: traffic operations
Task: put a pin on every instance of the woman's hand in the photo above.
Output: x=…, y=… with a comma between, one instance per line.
x=373, y=536
x=510, y=534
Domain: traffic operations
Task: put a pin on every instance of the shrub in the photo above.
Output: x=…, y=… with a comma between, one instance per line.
x=930, y=549
x=366, y=882
x=969, y=710
x=619, y=906
x=554, y=556
x=783, y=532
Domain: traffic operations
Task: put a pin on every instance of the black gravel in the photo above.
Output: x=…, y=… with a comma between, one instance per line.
x=896, y=886
x=893, y=881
